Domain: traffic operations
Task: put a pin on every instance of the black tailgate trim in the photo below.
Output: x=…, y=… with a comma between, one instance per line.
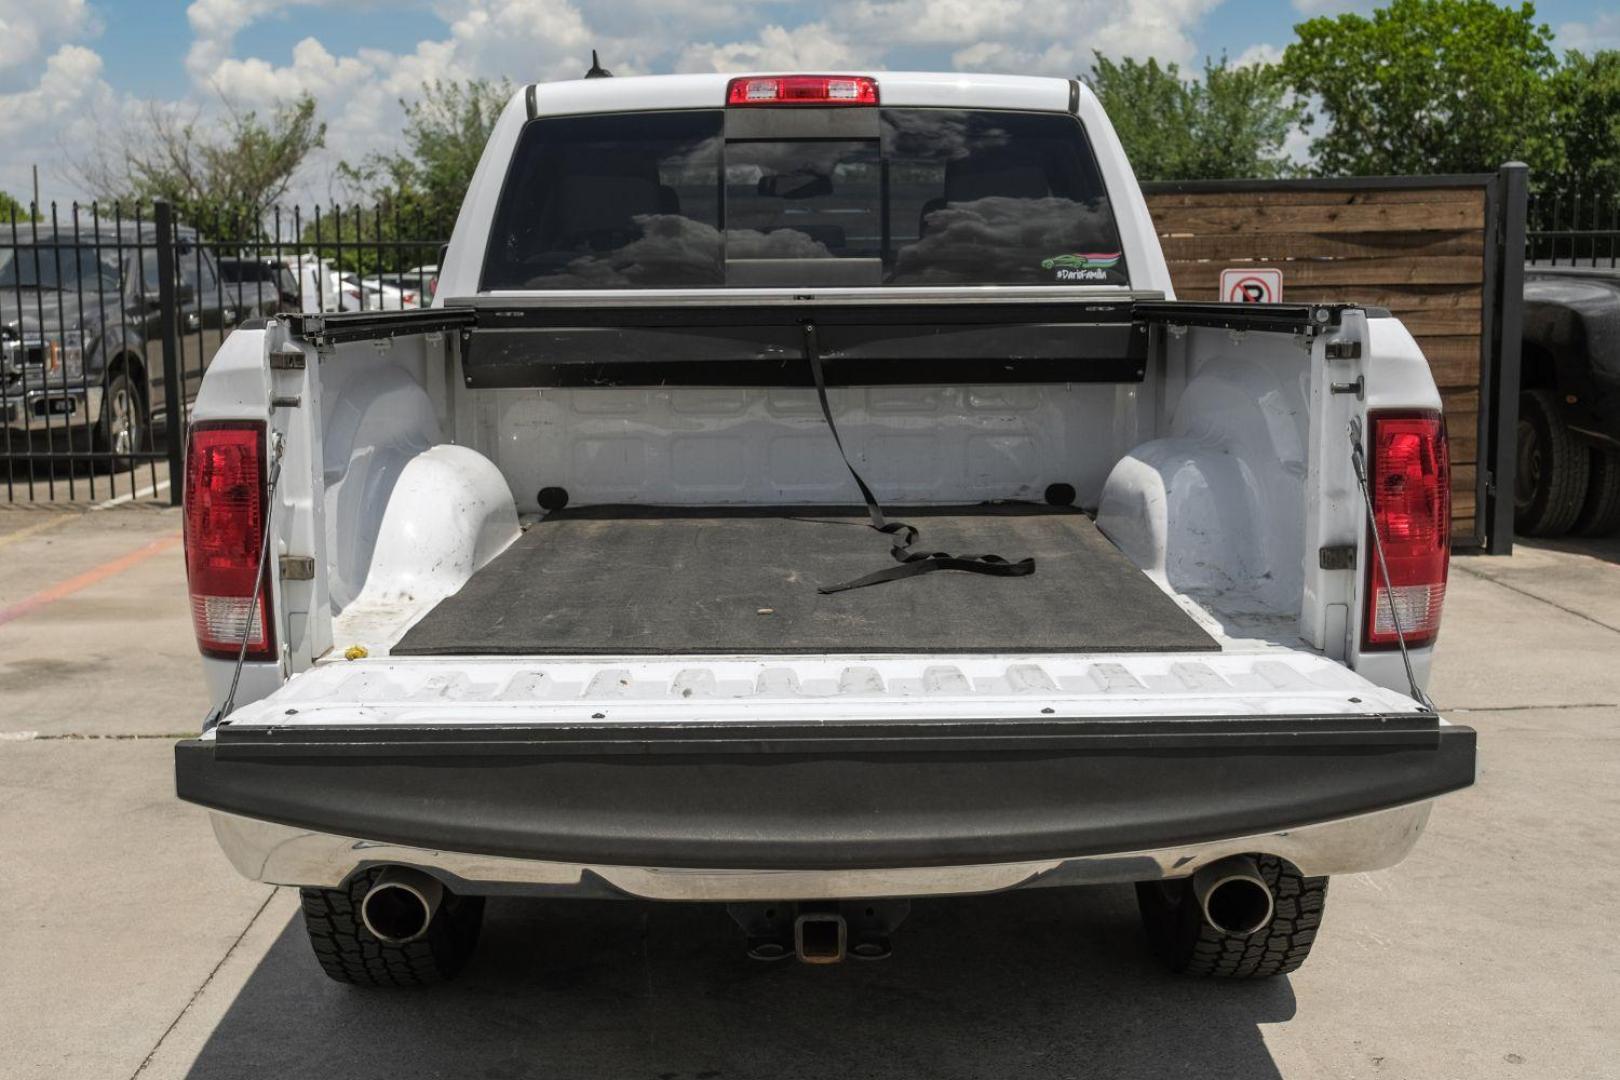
x=825, y=796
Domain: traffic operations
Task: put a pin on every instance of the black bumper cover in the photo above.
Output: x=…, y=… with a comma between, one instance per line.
x=826, y=797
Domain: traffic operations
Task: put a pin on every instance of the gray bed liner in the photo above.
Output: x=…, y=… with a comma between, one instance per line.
x=642, y=580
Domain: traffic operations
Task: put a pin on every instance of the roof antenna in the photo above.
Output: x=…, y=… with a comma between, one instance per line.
x=597, y=70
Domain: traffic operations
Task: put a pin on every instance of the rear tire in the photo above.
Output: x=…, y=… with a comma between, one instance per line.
x=1600, y=514
x=349, y=953
x=1190, y=946
x=122, y=429
x=1550, y=485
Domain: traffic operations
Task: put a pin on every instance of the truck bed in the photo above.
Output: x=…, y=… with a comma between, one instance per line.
x=642, y=580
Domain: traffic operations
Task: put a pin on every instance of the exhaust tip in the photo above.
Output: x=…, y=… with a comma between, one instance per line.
x=1233, y=896
x=400, y=905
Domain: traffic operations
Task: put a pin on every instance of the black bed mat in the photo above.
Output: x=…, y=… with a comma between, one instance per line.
x=639, y=580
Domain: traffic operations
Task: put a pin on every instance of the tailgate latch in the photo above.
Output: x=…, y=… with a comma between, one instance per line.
x=297, y=567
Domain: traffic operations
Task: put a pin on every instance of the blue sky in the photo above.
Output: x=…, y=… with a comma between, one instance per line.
x=75, y=73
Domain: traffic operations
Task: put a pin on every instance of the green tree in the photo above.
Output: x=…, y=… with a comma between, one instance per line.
x=1586, y=117
x=445, y=133
x=1229, y=124
x=1426, y=86
x=221, y=173
x=408, y=200
x=12, y=210
x=386, y=235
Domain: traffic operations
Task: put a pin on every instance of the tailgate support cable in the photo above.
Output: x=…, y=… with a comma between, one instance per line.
x=228, y=706
x=902, y=535
x=1359, y=460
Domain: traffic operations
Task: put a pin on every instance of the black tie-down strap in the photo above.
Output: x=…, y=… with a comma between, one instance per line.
x=902, y=535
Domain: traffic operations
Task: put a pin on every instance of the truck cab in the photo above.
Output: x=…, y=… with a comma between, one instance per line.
x=806, y=493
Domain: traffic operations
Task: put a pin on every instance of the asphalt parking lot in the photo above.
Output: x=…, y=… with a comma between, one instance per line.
x=129, y=948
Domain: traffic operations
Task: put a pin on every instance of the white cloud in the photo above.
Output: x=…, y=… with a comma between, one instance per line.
x=70, y=73
x=1258, y=53
x=1602, y=32
x=51, y=89
x=1055, y=37
x=28, y=29
x=1336, y=7
x=357, y=89
x=814, y=45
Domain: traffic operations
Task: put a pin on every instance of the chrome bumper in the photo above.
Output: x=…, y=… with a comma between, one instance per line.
x=50, y=408
x=287, y=855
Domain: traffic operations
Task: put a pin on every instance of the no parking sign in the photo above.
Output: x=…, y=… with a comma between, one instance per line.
x=1251, y=286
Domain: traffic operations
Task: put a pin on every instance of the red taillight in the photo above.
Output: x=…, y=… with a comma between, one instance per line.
x=1409, y=468
x=803, y=90
x=224, y=525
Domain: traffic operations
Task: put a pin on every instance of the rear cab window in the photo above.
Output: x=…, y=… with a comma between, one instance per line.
x=910, y=197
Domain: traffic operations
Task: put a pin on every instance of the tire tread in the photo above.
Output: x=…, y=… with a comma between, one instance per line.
x=1600, y=513
x=1567, y=464
x=1190, y=946
x=348, y=953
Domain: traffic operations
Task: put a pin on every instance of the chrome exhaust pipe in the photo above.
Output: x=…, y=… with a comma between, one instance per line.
x=1233, y=896
x=400, y=905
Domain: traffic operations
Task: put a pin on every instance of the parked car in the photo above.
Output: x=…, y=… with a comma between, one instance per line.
x=422, y=280
x=319, y=282
x=262, y=286
x=1568, y=462
x=80, y=334
x=638, y=564
x=357, y=293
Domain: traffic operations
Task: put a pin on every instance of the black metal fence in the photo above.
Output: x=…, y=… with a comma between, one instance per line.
x=1574, y=229
x=109, y=316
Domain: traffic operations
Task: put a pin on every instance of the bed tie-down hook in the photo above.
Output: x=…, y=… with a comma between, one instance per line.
x=1358, y=459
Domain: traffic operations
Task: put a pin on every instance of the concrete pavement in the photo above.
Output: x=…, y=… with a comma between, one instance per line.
x=131, y=949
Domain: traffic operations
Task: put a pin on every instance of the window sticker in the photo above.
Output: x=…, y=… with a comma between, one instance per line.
x=1082, y=266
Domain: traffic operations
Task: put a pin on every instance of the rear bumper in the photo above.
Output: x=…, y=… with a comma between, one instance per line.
x=288, y=855
x=298, y=806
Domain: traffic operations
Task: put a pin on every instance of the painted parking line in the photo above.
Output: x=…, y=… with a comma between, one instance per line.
x=147, y=492
x=35, y=529
x=46, y=597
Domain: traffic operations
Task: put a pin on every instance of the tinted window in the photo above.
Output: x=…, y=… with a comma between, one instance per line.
x=996, y=198
x=234, y=270
x=65, y=267
x=149, y=270
x=197, y=270
x=663, y=200
x=803, y=199
x=610, y=202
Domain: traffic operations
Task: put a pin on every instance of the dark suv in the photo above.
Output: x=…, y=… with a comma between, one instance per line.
x=81, y=333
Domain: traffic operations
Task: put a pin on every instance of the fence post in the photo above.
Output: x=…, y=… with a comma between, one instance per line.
x=169, y=319
x=1508, y=331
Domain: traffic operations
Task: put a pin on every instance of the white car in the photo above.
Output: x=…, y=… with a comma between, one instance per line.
x=373, y=294
x=422, y=280
x=319, y=286
x=651, y=562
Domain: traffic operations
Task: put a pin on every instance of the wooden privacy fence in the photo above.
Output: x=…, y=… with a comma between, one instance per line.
x=1443, y=253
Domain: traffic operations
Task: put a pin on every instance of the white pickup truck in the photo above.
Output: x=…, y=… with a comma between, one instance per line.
x=805, y=493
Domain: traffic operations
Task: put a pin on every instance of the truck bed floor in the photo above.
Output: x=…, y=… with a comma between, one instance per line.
x=639, y=580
